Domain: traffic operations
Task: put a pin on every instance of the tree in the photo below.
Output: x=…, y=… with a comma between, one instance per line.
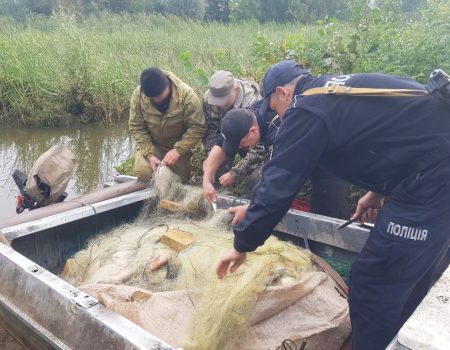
x=185, y=8
x=218, y=10
x=20, y=9
x=242, y=10
x=303, y=11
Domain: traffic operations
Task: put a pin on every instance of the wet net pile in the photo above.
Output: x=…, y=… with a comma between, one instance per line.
x=160, y=273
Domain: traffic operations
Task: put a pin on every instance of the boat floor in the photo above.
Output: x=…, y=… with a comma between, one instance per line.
x=7, y=341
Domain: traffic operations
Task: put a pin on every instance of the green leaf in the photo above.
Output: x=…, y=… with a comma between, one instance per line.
x=185, y=58
x=201, y=76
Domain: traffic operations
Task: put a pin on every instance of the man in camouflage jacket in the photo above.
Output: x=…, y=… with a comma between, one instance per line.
x=224, y=93
x=166, y=122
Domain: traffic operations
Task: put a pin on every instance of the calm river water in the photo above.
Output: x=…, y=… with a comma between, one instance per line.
x=98, y=148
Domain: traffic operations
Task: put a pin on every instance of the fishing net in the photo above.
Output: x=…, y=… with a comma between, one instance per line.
x=175, y=294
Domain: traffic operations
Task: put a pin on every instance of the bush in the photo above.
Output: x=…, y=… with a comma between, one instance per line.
x=126, y=167
x=375, y=40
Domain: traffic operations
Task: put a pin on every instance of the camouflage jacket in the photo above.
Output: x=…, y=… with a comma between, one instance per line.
x=181, y=127
x=248, y=93
x=254, y=159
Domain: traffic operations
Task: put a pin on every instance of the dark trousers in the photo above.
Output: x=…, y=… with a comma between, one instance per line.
x=329, y=194
x=396, y=267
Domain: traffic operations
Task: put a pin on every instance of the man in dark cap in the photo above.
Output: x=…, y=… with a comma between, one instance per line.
x=247, y=171
x=394, y=143
x=166, y=122
x=328, y=192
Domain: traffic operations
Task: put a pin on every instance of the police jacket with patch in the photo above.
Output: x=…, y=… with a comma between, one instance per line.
x=372, y=142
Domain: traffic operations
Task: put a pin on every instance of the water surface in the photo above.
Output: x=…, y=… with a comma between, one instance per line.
x=98, y=148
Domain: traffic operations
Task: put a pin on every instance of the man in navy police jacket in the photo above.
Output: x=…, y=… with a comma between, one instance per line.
x=395, y=147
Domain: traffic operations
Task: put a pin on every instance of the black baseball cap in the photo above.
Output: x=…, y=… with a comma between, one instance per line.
x=235, y=125
x=279, y=74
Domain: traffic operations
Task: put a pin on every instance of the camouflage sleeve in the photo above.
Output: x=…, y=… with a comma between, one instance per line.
x=253, y=160
x=138, y=127
x=251, y=93
x=194, y=121
x=256, y=95
x=212, y=128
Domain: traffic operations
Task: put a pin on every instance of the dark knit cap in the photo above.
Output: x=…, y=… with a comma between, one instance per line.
x=153, y=82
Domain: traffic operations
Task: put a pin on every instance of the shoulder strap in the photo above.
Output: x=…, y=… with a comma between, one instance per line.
x=341, y=90
x=275, y=119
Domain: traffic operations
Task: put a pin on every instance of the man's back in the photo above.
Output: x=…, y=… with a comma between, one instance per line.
x=376, y=141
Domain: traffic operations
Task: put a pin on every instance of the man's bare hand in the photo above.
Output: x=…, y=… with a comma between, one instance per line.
x=239, y=213
x=368, y=206
x=171, y=157
x=370, y=215
x=209, y=192
x=154, y=162
x=227, y=179
x=231, y=261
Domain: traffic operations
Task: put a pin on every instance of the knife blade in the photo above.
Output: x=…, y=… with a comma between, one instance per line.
x=349, y=221
x=345, y=224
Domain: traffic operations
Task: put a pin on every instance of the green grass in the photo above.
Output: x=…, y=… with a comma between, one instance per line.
x=62, y=69
x=54, y=67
